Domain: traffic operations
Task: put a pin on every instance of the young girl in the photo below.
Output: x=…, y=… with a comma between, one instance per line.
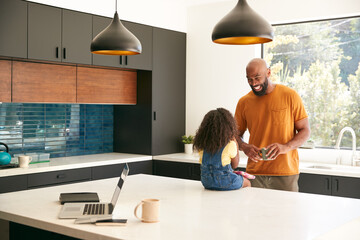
x=219, y=153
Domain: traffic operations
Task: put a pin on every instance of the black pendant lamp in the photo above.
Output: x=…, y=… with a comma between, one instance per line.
x=116, y=39
x=242, y=26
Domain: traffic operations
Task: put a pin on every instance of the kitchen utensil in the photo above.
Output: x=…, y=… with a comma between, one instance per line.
x=5, y=157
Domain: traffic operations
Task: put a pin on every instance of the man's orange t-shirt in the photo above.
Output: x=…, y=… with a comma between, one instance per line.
x=271, y=119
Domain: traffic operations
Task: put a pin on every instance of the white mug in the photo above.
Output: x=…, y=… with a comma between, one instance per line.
x=150, y=210
x=24, y=161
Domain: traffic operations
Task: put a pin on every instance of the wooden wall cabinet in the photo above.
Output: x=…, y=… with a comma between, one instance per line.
x=43, y=83
x=5, y=81
x=13, y=28
x=60, y=35
x=142, y=61
x=96, y=85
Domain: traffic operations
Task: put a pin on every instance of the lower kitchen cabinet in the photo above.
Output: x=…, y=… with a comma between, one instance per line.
x=46, y=179
x=58, y=177
x=345, y=187
x=110, y=171
x=329, y=185
x=315, y=183
x=13, y=183
x=177, y=169
x=19, y=231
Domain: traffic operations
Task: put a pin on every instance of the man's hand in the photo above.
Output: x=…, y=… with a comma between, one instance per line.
x=251, y=151
x=275, y=149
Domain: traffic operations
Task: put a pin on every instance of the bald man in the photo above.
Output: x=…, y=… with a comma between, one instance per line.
x=277, y=121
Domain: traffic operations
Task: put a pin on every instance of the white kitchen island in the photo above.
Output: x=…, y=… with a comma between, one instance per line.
x=187, y=211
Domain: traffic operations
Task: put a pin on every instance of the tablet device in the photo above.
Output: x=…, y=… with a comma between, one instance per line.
x=78, y=197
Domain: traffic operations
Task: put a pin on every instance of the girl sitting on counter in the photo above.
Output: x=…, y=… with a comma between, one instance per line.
x=219, y=152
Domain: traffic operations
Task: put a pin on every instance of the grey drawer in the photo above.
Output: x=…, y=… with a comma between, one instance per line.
x=110, y=171
x=58, y=177
x=13, y=183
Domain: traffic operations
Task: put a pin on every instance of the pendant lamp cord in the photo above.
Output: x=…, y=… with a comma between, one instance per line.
x=115, y=5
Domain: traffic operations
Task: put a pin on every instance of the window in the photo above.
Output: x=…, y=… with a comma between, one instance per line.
x=321, y=61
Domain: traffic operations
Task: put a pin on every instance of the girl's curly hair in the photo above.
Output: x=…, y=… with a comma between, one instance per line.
x=216, y=130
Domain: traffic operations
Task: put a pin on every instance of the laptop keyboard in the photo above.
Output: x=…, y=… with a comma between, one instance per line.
x=94, y=209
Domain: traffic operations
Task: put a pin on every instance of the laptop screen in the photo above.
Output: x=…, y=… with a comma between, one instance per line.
x=124, y=173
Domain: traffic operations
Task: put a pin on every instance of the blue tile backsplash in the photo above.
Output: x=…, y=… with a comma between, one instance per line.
x=59, y=129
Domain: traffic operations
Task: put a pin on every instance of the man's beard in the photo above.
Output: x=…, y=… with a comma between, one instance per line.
x=264, y=87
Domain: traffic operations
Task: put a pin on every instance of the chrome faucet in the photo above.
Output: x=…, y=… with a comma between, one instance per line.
x=354, y=157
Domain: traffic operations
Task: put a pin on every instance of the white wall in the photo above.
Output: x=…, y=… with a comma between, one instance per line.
x=216, y=73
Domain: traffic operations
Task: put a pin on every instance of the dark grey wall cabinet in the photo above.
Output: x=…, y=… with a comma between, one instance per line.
x=142, y=32
x=99, y=24
x=329, y=185
x=56, y=34
x=13, y=28
x=168, y=91
x=145, y=35
x=76, y=37
x=132, y=123
x=156, y=124
x=44, y=32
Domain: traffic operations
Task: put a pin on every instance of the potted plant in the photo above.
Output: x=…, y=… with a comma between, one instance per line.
x=188, y=141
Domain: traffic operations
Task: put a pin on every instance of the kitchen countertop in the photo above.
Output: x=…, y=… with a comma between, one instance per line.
x=94, y=160
x=188, y=211
x=305, y=167
x=74, y=162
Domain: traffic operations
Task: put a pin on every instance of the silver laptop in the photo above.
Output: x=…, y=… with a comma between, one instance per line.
x=91, y=209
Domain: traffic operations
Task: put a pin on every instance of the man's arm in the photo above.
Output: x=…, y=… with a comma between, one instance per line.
x=250, y=150
x=303, y=133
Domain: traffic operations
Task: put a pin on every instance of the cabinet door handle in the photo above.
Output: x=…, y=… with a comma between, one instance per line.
x=126, y=60
x=61, y=176
x=154, y=116
x=336, y=185
x=57, y=52
x=64, y=53
x=120, y=60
